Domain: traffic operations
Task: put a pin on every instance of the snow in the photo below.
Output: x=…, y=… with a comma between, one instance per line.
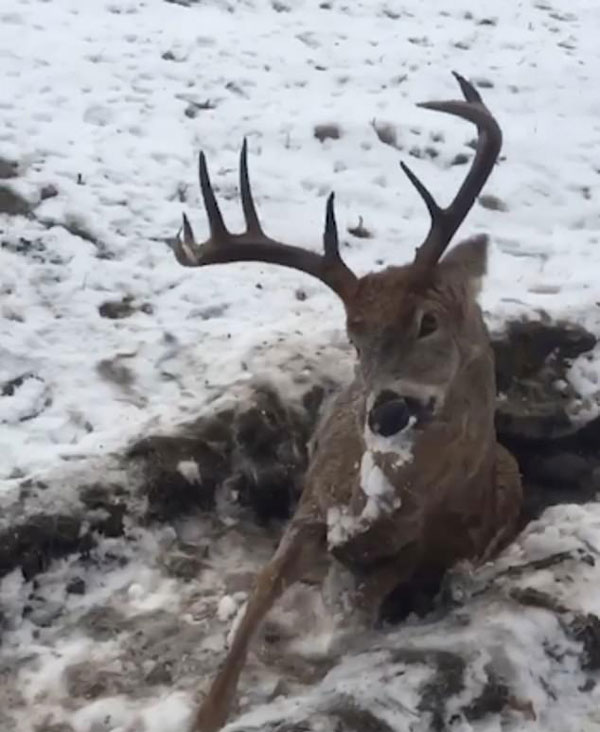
x=526, y=648
x=190, y=471
x=227, y=608
x=378, y=489
x=381, y=498
x=115, y=140
x=109, y=102
x=341, y=525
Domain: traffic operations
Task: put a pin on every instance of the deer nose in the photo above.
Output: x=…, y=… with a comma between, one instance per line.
x=389, y=414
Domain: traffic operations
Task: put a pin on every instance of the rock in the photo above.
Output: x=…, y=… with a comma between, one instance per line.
x=483, y=83
x=117, y=309
x=329, y=131
x=359, y=230
x=48, y=191
x=160, y=674
x=116, y=372
x=76, y=586
x=8, y=169
x=493, y=203
x=460, y=159
x=194, y=107
x=12, y=203
x=387, y=133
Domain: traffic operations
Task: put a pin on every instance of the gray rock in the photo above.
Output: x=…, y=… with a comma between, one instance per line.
x=8, y=169
x=12, y=203
x=76, y=586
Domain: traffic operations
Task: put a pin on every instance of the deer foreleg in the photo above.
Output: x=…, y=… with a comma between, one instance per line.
x=294, y=557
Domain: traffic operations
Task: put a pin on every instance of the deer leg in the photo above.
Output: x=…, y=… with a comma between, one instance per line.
x=373, y=586
x=295, y=555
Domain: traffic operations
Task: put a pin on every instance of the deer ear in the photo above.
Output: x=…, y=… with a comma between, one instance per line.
x=468, y=260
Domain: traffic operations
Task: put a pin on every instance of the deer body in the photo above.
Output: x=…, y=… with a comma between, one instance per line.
x=405, y=475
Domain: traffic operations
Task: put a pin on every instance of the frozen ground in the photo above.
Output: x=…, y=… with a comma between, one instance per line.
x=109, y=103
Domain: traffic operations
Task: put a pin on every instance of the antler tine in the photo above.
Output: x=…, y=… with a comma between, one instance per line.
x=254, y=245
x=446, y=221
x=218, y=230
x=469, y=92
x=330, y=234
x=251, y=217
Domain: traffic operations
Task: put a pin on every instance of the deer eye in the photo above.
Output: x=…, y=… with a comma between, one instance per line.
x=428, y=325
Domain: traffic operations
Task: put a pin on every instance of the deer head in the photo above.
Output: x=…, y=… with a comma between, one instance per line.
x=414, y=327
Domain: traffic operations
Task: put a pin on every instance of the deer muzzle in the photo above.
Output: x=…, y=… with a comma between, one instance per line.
x=391, y=413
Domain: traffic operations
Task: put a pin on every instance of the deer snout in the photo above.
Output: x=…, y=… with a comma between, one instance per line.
x=389, y=414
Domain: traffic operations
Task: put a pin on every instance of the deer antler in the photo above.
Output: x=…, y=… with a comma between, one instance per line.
x=254, y=245
x=445, y=221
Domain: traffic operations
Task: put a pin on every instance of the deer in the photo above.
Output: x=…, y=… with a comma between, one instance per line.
x=405, y=473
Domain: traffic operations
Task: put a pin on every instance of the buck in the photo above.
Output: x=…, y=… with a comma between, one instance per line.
x=405, y=475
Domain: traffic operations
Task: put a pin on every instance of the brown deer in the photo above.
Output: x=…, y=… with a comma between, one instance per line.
x=405, y=476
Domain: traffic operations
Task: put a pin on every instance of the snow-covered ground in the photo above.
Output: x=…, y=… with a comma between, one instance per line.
x=109, y=102
x=104, y=101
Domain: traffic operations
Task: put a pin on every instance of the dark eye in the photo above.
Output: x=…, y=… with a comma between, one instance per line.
x=428, y=325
